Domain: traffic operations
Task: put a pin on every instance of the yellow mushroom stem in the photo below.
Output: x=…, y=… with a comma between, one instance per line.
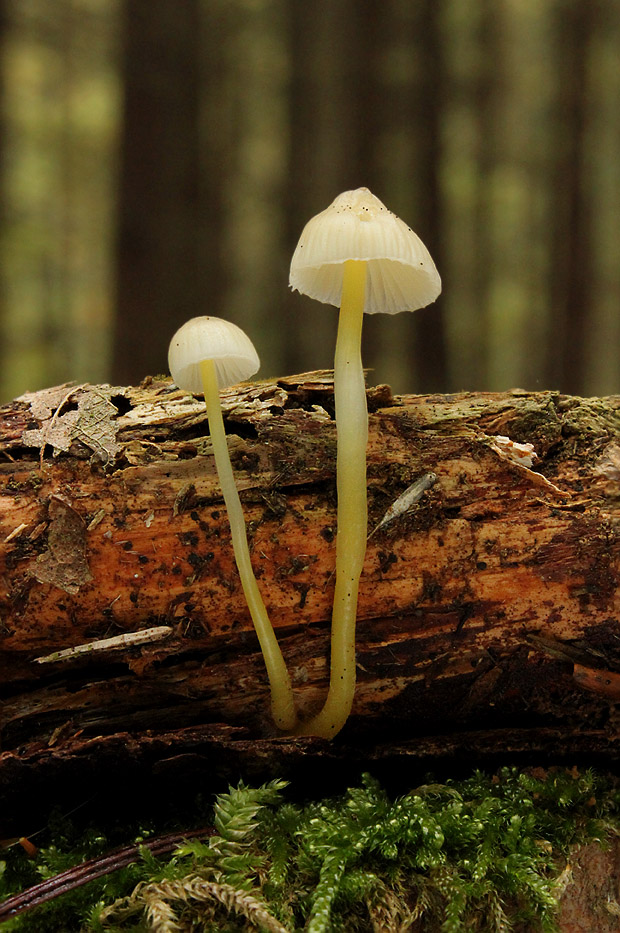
x=352, y=428
x=282, y=702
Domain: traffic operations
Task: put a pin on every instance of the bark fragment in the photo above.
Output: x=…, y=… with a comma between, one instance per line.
x=64, y=564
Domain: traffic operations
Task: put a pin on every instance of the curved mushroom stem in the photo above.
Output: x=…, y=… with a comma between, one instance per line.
x=282, y=702
x=352, y=428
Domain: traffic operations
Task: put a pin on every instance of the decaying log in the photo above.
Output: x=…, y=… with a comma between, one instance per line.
x=488, y=612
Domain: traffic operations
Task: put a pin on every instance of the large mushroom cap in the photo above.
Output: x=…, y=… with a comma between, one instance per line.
x=357, y=225
x=211, y=338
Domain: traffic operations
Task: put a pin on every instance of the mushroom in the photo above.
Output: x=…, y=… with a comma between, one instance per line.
x=360, y=256
x=205, y=355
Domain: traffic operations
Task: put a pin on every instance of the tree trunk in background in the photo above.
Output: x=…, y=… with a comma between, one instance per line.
x=486, y=101
x=487, y=613
x=3, y=204
x=216, y=139
x=429, y=351
x=159, y=250
x=360, y=78
x=398, y=88
x=324, y=150
x=572, y=270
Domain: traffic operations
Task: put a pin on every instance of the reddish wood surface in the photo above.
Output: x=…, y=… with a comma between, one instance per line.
x=488, y=615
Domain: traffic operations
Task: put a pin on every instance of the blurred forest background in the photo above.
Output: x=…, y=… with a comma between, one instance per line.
x=159, y=159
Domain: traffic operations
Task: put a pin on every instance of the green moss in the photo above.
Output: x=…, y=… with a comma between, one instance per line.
x=482, y=854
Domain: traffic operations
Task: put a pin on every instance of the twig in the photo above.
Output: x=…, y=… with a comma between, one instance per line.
x=94, y=868
x=406, y=500
x=127, y=640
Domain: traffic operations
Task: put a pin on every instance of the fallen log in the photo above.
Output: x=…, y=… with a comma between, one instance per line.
x=488, y=611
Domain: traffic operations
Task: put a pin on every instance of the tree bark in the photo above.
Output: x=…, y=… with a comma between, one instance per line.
x=162, y=207
x=488, y=612
x=426, y=109
x=572, y=269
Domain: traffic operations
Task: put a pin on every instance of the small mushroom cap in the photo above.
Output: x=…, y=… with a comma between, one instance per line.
x=357, y=225
x=211, y=338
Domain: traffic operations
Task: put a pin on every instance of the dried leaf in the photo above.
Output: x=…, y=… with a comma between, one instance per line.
x=90, y=420
x=64, y=564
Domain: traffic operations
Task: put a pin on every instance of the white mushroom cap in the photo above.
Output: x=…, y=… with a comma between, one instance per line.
x=211, y=338
x=401, y=274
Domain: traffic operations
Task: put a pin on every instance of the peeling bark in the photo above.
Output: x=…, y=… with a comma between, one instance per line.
x=590, y=903
x=488, y=613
